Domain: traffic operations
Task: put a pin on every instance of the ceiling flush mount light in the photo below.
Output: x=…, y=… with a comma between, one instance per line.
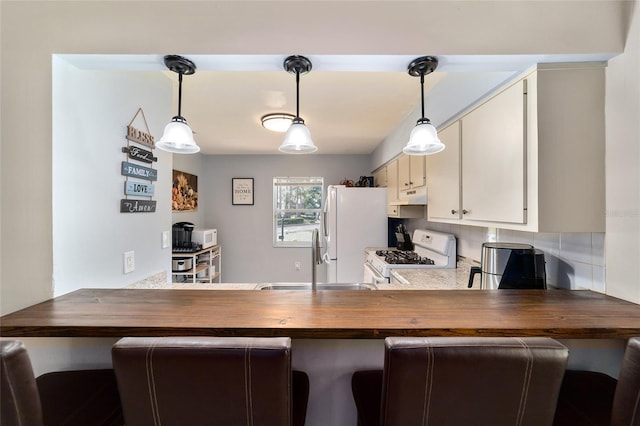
x=297, y=139
x=424, y=137
x=278, y=122
x=178, y=136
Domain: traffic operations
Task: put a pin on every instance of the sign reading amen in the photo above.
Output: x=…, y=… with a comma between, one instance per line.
x=137, y=206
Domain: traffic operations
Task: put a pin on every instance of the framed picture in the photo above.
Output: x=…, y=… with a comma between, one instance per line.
x=184, y=193
x=242, y=191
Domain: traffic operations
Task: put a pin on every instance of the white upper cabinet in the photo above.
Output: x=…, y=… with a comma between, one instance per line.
x=411, y=174
x=529, y=157
x=493, y=158
x=443, y=177
x=380, y=178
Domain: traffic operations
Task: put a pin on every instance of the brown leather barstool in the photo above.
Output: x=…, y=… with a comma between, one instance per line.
x=461, y=381
x=209, y=381
x=71, y=398
x=590, y=398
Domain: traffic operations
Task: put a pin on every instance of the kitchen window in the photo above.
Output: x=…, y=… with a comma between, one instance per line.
x=297, y=209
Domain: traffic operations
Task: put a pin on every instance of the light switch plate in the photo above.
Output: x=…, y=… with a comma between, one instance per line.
x=165, y=239
x=129, y=261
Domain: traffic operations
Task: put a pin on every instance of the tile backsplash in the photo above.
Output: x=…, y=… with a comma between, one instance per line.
x=573, y=260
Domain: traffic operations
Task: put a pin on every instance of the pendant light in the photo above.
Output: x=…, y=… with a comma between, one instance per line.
x=297, y=140
x=424, y=137
x=178, y=136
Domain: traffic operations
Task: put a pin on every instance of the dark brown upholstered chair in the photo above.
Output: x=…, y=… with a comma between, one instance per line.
x=70, y=398
x=462, y=381
x=208, y=381
x=589, y=398
x=18, y=391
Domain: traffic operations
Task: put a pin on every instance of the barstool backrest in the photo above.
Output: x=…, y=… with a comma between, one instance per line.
x=204, y=380
x=626, y=400
x=20, y=400
x=461, y=381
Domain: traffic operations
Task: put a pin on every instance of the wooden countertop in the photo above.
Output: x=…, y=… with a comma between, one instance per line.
x=327, y=314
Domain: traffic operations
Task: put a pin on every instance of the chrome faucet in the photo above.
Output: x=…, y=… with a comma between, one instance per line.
x=316, y=258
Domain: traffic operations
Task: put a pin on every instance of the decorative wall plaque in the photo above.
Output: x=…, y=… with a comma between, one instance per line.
x=242, y=191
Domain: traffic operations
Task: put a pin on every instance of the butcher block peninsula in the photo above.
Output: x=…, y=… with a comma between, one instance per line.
x=327, y=314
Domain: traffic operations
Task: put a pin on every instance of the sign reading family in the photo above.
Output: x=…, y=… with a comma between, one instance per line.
x=134, y=170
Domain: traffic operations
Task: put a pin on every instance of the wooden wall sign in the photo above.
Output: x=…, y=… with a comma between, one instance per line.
x=139, y=188
x=135, y=135
x=139, y=154
x=134, y=170
x=137, y=206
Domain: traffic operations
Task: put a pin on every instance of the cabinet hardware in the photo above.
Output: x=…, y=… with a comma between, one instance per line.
x=464, y=211
x=454, y=211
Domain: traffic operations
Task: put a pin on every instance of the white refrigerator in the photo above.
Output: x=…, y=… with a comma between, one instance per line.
x=354, y=219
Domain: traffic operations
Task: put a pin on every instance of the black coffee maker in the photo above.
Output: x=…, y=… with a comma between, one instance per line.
x=181, y=233
x=510, y=266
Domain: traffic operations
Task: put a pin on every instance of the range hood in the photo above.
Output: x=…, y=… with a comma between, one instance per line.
x=412, y=197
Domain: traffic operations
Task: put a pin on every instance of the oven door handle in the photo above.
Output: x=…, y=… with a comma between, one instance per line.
x=379, y=279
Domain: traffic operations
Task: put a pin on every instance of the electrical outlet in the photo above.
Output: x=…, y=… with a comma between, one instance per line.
x=129, y=261
x=165, y=239
x=297, y=265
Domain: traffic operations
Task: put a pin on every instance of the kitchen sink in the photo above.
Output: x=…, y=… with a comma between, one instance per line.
x=320, y=286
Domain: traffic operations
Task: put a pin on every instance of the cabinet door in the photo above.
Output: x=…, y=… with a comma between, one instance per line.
x=404, y=172
x=493, y=159
x=443, y=177
x=380, y=178
x=417, y=177
x=392, y=181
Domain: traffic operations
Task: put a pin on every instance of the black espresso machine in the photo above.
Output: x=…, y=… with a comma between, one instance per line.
x=510, y=266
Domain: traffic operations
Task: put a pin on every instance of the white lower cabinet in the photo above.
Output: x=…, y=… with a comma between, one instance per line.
x=530, y=157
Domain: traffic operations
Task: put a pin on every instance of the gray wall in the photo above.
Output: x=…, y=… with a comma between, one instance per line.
x=245, y=232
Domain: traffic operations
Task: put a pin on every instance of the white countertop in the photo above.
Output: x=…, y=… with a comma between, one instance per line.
x=403, y=279
x=430, y=279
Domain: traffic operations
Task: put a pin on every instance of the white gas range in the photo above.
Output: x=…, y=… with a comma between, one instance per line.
x=432, y=250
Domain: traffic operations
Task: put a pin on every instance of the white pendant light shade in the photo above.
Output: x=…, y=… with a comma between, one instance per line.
x=178, y=138
x=423, y=140
x=297, y=140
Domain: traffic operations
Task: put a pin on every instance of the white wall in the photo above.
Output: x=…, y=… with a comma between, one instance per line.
x=245, y=232
x=622, y=110
x=91, y=111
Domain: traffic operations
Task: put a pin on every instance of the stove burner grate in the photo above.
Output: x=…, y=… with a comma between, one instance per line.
x=405, y=257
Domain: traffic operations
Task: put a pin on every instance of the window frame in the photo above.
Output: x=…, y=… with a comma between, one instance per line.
x=317, y=181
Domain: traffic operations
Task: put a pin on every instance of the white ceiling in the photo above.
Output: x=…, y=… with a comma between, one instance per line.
x=358, y=91
x=350, y=103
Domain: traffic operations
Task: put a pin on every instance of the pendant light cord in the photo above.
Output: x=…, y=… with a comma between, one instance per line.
x=422, y=92
x=298, y=93
x=180, y=95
